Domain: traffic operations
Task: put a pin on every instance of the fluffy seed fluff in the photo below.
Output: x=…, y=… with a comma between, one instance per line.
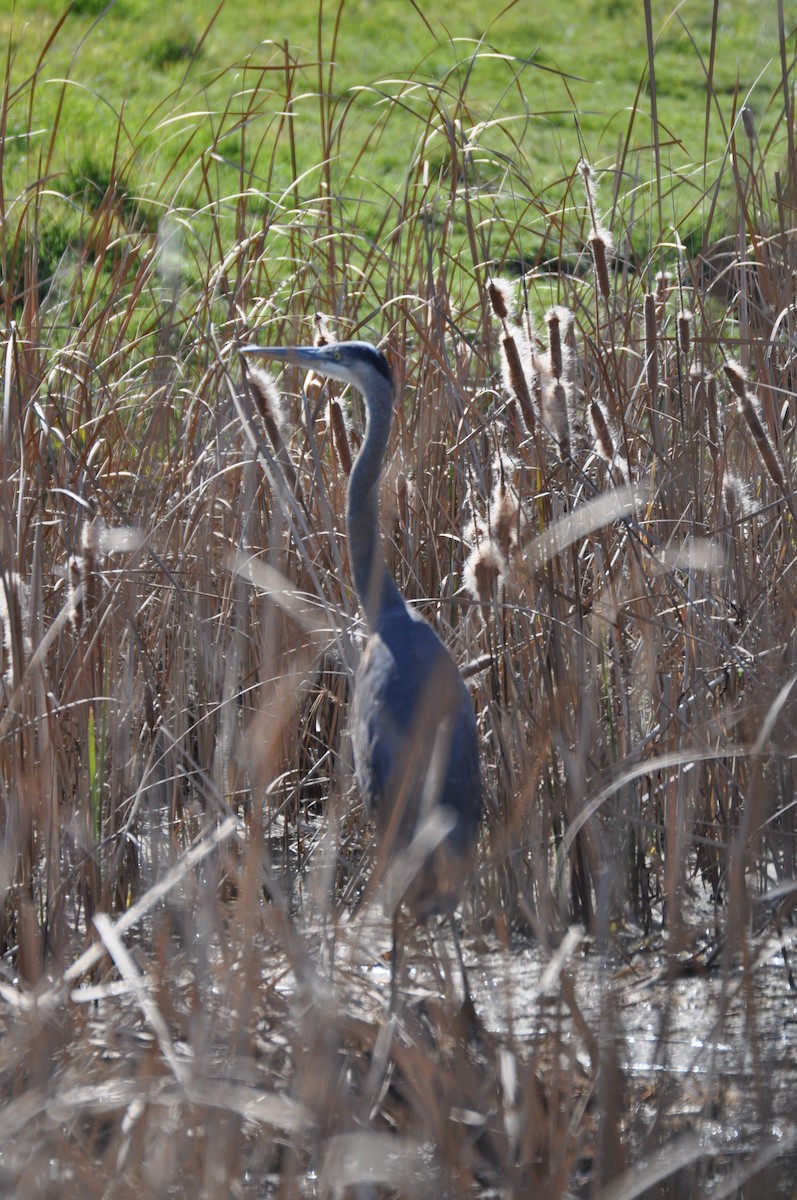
x=322, y=335
x=736, y=496
x=504, y=512
x=267, y=397
x=482, y=573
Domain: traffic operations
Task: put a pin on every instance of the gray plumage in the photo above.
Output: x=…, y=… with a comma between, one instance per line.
x=413, y=729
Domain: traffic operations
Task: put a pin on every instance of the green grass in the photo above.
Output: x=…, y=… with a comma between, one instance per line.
x=153, y=97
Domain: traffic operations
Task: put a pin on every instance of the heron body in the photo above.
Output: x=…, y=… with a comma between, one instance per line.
x=413, y=730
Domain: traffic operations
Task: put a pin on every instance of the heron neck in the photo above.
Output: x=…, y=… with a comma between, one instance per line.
x=375, y=587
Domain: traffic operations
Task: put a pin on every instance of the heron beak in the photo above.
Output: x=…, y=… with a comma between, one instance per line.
x=300, y=356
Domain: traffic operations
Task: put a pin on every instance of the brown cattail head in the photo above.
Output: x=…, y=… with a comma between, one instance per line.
x=600, y=239
x=737, y=377
x=504, y=513
x=748, y=407
x=270, y=405
x=501, y=297
x=515, y=379
x=748, y=122
x=559, y=321
x=267, y=397
x=664, y=281
x=651, y=343
x=556, y=414
x=601, y=248
x=684, y=322
x=484, y=568
x=604, y=443
x=607, y=444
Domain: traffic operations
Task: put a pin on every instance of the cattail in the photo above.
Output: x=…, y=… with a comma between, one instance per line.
x=504, y=513
x=606, y=443
x=267, y=397
x=501, y=297
x=651, y=344
x=748, y=122
x=322, y=334
x=664, y=281
x=736, y=496
x=748, y=407
x=684, y=323
x=559, y=321
x=601, y=245
x=483, y=570
x=515, y=380
x=270, y=405
x=600, y=239
x=557, y=417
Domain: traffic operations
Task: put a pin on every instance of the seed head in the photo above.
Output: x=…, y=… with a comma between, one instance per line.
x=651, y=342
x=515, y=379
x=684, y=321
x=601, y=245
x=504, y=514
x=267, y=397
x=501, y=297
x=483, y=571
x=322, y=334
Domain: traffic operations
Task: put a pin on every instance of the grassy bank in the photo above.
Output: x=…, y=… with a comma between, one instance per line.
x=595, y=506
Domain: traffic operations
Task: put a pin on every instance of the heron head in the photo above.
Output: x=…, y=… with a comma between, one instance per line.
x=357, y=363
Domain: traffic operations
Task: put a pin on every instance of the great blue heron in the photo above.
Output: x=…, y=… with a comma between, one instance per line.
x=414, y=736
